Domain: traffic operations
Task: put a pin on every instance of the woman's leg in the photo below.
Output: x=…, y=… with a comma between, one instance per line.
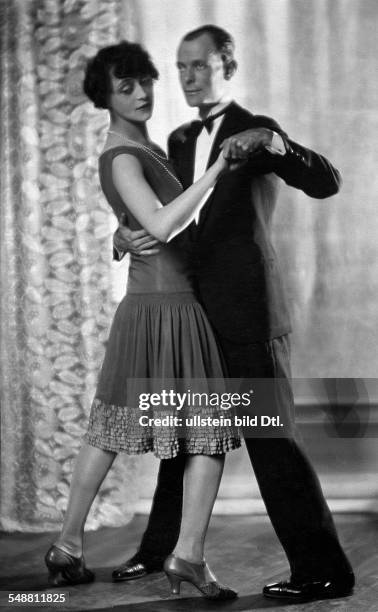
x=92, y=465
x=202, y=477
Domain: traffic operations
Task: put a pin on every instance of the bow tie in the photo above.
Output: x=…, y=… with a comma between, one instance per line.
x=208, y=123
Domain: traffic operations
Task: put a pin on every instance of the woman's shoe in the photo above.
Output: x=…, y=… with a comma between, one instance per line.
x=64, y=569
x=178, y=570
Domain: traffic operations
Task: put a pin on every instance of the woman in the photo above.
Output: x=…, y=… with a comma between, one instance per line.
x=159, y=331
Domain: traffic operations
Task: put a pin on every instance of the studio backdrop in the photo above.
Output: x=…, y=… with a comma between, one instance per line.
x=311, y=65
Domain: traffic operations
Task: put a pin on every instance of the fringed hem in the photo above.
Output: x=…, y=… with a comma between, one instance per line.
x=117, y=429
x=182, y=447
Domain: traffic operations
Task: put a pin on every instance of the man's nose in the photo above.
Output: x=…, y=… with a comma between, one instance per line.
x=189, y=75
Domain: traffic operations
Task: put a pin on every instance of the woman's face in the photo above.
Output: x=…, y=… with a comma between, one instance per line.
x=131, y=98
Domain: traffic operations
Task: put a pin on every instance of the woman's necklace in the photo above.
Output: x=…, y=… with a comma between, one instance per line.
x=156, y=156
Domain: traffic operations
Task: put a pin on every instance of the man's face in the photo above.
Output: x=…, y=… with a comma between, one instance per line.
x=201, y=71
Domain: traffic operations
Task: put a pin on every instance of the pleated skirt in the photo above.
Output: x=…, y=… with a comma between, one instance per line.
x=161, y=345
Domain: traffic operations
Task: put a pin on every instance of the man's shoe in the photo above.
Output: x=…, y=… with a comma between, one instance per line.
x=135, y=568
x=291, y=590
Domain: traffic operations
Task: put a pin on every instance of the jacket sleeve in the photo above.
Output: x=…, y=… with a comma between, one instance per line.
x=118, y=255
x=303, y=168
x=308, y=171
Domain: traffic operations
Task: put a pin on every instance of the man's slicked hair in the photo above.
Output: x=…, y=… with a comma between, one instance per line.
x=223, y=41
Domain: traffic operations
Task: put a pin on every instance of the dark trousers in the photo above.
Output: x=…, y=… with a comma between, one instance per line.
x=287, y=481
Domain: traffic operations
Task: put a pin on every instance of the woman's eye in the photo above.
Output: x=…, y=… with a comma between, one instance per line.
x=127, y=89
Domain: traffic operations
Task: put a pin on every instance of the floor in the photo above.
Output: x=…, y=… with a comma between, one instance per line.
x=243, y=551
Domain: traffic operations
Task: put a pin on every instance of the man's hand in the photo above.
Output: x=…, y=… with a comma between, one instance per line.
x=233, y=154
x=245, y=144
x=137, y=242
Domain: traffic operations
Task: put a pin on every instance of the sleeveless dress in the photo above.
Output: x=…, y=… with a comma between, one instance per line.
x=160, y=341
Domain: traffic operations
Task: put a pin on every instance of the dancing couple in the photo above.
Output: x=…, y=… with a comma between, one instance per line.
x=204, y=301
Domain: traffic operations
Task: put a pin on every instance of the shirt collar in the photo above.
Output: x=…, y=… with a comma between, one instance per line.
x=218, y=108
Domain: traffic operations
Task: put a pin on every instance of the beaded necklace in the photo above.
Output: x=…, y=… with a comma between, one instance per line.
x=156, y=156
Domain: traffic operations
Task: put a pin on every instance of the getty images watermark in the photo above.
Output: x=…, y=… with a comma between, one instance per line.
x=258, y=407
x=225, y=401
x=209, y=404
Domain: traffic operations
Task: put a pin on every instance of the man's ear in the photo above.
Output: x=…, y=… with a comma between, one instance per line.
x=230, y=69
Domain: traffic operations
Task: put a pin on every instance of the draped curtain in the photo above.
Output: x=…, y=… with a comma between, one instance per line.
x=56, y=281
x=310, y=65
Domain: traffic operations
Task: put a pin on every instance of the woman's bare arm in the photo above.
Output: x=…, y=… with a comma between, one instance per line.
x=163, y=222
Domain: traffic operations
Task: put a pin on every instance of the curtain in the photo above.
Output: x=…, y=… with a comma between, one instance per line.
x=56, y=280
x=310, y=65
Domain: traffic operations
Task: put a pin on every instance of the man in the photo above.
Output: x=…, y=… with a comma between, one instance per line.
x=239, y=285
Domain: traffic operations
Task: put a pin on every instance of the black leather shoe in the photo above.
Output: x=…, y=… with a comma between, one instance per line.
x=136, y=568
x=291, y=590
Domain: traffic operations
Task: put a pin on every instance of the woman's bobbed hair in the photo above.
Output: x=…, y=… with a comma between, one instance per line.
x=124, y=60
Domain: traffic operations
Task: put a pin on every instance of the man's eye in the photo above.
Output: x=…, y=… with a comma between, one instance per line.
x=200, y=66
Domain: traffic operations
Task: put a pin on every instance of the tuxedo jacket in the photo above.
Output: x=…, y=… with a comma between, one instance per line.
x=235, y=266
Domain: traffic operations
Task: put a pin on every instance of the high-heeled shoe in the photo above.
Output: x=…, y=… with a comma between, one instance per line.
x=200, y=575
x=64, y=569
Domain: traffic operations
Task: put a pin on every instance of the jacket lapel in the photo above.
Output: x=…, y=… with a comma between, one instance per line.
x=230, y=125
x=187, y=159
